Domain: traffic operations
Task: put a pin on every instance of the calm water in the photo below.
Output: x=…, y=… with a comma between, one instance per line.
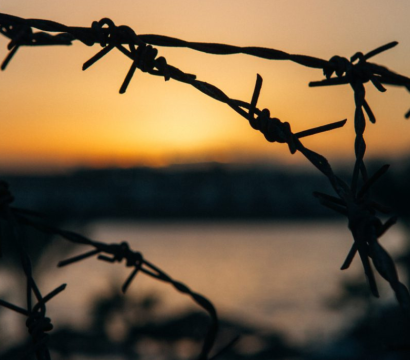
x=273, y=275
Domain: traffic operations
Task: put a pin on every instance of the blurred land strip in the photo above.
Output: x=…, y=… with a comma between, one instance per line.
x=207, y=191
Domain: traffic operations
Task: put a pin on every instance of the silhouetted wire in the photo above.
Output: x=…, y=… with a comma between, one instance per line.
x=352, y=201
x=357, y=71
x=118, y=253
x=19, y=30
x=366, y=228
x=110, y=36
x=37, y=323
x=144, y=56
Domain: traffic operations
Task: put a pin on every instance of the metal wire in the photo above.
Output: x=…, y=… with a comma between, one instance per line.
x=37, y=323
x=352, y=201
x=106, y=252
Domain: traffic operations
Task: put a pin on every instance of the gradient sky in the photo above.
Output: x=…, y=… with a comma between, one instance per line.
x=55, y=116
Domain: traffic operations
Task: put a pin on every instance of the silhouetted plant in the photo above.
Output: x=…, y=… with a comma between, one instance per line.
x=353, y=201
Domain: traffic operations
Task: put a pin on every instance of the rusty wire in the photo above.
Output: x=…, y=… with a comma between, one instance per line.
x=353, y=201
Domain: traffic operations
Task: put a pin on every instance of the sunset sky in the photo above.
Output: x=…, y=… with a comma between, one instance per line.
x=55, y=116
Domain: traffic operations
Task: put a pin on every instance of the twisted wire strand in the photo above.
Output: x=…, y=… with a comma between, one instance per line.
x=110, y=36
x=37, y=323
x=145, y=58
x=20, y=32
x=366, y=229
x=357, y=72
x=117, y=253
x=352, y=202
x=91, y=36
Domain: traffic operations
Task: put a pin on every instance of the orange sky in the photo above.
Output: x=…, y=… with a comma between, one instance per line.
x=54, y=115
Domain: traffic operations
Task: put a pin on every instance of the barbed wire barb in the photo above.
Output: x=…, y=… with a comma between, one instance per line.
x=122, y=251
x=37, y=323
x=352, y=201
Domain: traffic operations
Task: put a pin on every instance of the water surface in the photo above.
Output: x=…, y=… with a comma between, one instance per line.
x=273, y=275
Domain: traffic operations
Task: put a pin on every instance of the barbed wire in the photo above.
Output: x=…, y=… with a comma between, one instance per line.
x=366, y=229
x=106, y=252
x=145, y=58
x=37, y=323
x=353, y=201
x=20, y=32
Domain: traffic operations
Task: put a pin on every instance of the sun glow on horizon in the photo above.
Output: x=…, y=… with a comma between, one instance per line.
x=55, y=115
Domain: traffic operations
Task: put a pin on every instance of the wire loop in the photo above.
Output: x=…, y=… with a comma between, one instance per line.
x=274, y=130
x=353, y=201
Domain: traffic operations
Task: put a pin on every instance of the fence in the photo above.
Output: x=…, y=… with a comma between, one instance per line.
x=354, y=201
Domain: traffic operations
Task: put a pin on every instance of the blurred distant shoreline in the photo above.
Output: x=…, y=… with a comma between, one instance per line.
x=209, y=191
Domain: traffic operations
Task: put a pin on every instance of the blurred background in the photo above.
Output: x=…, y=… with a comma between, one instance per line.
x=186, y=181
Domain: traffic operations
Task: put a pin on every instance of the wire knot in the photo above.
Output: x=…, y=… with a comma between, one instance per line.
x=339, y=65
x=133, y=259
x=355, y=70
x=123, y=251
x=37, y=325
x=105, y=35
x=274, y=130
x=144, y=57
